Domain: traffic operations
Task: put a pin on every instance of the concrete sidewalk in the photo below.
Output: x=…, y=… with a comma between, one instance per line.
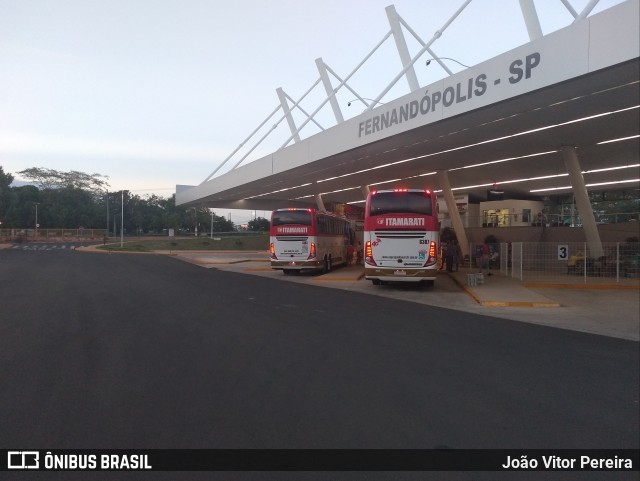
x=498, y=291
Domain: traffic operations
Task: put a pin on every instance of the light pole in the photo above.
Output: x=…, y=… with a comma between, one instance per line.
x=106, y=234
x=36, y=203
x=195, y=213
x=122, y=220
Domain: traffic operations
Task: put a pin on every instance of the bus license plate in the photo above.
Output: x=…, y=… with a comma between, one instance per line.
x=400, y=273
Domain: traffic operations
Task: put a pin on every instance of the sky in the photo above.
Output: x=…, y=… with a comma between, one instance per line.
x=154, y=93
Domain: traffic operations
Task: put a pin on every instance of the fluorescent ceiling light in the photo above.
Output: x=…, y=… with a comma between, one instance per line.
x=326, y=193
x=385, y=181
x=618, y=140
x=515, y=181
x=504, y=160
x=588, y=185
x=614, y=182
x=280, y=190
x=610, y=168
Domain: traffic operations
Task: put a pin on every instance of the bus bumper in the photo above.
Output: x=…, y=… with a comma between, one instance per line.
x=399, y=275
x=298, y=265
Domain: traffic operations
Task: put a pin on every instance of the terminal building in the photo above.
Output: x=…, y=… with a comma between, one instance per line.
x=528, y=144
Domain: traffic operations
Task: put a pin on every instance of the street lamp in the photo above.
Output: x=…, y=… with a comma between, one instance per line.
x=122, y=219
x=106, y=234
x=195, y=213
x=363, y=101
x=445, y=58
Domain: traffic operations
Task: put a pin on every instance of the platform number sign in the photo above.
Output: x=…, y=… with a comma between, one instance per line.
x=563, y=253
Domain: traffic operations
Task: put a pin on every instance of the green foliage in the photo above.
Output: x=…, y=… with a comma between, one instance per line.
x=259, y=224
x=54, y=179
x=5, y=193
x=246, y=242
x=74, y=199
x=5, y=181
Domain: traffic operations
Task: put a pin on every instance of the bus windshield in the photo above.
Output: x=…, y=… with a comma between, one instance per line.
x=400, y=202
x=297, y=217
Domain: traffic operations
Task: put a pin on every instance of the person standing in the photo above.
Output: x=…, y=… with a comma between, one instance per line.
x=457, y=254
x=450, y=255
x=484, y=262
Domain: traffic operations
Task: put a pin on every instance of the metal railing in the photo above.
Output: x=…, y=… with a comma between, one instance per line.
x=543, y=220
x=566, y=262
x=32, y=235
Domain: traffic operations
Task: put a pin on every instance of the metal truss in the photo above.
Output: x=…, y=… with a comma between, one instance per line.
x=287, y=105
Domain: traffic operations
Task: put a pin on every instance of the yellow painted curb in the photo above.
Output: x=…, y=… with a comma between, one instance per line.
x=477, y=300
x=581, y=286
x=518, y=304
x=246, y=260
x=357, y=278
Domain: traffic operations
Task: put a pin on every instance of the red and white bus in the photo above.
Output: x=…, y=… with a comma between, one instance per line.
x=401, y=236
x=307, y=239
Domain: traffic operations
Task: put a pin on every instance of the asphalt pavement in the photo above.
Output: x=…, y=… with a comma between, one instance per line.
x=608, y=308
x=147, y=351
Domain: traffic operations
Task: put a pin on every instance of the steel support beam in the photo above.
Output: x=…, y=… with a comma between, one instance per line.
x=328, y=88
x=287, y=113
x=403, y=50
x=582, y=201
x=531, y=19
x=586, y=10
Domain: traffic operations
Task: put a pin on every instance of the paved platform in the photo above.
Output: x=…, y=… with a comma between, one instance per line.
x=498, y=291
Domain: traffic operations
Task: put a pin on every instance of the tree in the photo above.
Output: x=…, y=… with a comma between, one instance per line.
x=5, y=193
x=259, y=224
x=70, y=208
x=5, y=179
x=20, y=212
x=220, y=224
x=52, y=179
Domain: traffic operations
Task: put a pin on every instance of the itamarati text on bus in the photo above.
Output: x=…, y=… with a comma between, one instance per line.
x=307, y=239
x=401, y=236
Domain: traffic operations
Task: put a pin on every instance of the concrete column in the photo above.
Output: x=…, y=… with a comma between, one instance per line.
x=582, y=201
x=319, y=202
x=443, y=180
x=365, y=191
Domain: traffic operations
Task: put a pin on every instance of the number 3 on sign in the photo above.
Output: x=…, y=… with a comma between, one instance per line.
x=563, y=253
